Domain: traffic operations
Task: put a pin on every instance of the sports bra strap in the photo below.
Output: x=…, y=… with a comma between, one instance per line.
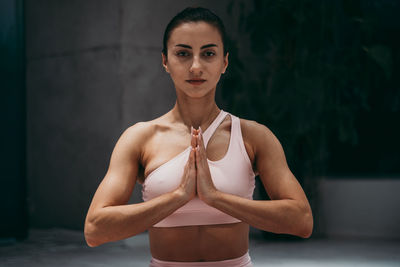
x=213, y=126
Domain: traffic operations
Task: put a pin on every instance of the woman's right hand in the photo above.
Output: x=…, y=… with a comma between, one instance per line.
x=188, y=183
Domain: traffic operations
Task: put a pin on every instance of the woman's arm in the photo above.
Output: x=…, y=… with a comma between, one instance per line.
x=109, y=218
x=288, y=211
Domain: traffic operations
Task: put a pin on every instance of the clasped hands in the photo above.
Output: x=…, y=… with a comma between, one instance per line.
x=196, y=179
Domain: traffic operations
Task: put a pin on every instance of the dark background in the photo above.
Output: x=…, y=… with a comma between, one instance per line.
x=322, y=75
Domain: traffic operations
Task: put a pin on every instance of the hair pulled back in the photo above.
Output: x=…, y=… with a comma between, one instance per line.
x=194, y=14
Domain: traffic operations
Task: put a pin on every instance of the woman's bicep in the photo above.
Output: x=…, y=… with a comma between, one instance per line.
x=119, y=181
x=278, y=180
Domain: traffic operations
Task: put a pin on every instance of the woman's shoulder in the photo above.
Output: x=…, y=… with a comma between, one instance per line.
x=143, y=130
x=257, y=135
x=253, y=129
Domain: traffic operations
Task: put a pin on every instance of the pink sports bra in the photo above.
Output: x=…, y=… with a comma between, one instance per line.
x=232, y=174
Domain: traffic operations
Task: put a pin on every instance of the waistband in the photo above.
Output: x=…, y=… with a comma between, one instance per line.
x=243, y=261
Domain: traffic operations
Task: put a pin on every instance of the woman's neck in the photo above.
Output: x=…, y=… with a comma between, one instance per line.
x=195, y=112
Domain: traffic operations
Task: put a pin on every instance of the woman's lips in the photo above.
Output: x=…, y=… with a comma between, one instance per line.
x=196, y=81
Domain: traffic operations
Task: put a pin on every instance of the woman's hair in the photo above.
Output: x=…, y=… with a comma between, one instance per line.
x=194, y=14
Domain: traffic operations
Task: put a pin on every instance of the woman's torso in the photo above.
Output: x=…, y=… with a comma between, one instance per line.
x=196, y=242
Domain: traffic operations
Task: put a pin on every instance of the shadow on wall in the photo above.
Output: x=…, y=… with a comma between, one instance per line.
x=324, y=77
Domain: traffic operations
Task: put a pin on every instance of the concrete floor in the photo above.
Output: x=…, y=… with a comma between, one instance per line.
x=59, y=247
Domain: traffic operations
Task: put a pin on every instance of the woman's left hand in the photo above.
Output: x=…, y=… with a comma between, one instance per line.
x=205, y=186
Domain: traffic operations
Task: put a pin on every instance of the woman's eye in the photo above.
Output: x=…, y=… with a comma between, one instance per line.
x=209, y=54
x=182, y=54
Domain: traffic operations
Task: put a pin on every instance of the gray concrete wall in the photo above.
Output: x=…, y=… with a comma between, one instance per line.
x=73, y=104
x=93, y=69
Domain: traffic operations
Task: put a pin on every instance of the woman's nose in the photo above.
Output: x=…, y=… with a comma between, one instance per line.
x=196, y=65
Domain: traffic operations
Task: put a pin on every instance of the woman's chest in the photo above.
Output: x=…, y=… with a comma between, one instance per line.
x=166, y=146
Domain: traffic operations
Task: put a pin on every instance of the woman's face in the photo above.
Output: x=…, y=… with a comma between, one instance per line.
x=195, y=58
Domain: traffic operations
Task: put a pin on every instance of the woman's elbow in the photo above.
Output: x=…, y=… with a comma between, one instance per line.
x=91, y=236
x=91, y=242
x=307, y=225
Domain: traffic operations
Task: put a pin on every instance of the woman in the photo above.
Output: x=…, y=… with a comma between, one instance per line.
x=197, y=184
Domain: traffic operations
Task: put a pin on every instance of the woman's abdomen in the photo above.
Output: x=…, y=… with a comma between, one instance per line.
x=200, y=242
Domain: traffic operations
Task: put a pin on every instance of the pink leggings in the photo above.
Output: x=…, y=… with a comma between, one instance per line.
x=243, y=261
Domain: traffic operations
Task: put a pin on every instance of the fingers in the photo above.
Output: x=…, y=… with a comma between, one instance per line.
x=200, y=142
x=188, y=182
x=193, y=139
x=191, y=163
x=198, y=157
x=200, y=150
x=197, y=143
x=195, y=134
x=192, y=158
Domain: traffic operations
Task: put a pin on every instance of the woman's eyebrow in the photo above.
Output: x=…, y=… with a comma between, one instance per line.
x=189, y=47
x=208, y=45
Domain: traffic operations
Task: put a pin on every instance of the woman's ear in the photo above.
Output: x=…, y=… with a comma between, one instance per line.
x=164, y=62
x=226, y=61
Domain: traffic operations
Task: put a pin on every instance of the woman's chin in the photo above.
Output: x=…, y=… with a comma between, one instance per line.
x=196, y=93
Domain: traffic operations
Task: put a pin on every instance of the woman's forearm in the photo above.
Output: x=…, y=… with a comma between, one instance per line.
x=114, y=223
x=278, y=216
